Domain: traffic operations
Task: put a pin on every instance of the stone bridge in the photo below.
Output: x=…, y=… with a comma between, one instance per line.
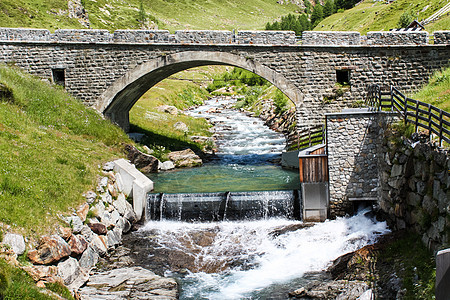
x=110, y=72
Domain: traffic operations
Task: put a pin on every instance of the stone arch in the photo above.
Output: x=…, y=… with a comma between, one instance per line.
x=116, y=102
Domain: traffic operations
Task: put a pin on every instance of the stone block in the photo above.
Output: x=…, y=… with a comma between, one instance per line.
x=266, y=37
x=141, y=36
x=83, y=35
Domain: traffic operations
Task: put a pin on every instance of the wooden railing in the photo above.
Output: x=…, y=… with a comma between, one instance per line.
x=312, y=136
x=422, y=115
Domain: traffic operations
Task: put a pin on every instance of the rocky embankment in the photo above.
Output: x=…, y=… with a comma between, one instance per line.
x=92, y=231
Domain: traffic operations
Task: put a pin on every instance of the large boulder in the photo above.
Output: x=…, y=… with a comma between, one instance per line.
x=16, y=242
x=89, y=258
x=145, y=162
x=168, y=109
x=71, y=273
x=51, y=249
x=129, y=283
x=77, y=244
x=185, y=158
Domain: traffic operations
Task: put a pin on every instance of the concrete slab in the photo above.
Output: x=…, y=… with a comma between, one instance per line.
x=135, y=184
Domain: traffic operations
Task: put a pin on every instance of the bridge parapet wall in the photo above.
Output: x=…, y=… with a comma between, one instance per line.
x=266, y=37
x=204, y=36
x=24, y=34
x=211, y=37
x=82, y=35
x=331, y=38
x=442, y=37
x=397, y=38
x=141, y=36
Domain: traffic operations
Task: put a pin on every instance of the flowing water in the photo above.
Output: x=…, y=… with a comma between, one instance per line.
x=247, y=259
x=247, y=157
x=255, y=259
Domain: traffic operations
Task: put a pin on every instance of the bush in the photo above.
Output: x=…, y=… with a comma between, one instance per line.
x=405, y=19
x=281, y=102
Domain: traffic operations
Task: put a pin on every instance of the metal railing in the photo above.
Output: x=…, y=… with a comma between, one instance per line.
x=422, y=115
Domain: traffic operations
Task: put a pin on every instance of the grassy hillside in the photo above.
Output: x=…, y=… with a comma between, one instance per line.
x=437, y=91
x=167, y=14
x=181, y=90
x=374, y=16
x=50, y=147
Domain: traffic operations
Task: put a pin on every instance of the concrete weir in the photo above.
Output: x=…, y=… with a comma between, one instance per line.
x=223, y=206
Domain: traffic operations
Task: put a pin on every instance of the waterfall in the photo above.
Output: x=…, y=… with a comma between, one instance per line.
x=223, y=206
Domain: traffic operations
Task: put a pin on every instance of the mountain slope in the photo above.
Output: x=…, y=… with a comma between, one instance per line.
x=375, y=16
x=134, y=14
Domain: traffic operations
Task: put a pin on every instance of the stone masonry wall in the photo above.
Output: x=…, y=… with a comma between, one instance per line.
x=266, y=37
x=352, y=160
x=397, y=38
x=204, y=36
x=441, y=37
x=92, y=65
x=331, y=38
x=338, y=38
x=415, y=187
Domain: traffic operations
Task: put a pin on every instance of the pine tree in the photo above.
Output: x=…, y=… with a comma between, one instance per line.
x=317, y=15
x=329, y=8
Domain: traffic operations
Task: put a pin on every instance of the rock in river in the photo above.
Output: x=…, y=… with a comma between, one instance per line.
x=129, y=283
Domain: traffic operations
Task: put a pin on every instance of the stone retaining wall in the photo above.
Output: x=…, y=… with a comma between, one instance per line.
x=338, y=38
x=415, y=187
x=408, y=178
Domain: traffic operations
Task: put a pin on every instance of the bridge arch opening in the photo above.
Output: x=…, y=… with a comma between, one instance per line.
x=116, y=102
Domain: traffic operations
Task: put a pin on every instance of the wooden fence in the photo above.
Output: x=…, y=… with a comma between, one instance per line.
x=312, y=136
x=422, y=115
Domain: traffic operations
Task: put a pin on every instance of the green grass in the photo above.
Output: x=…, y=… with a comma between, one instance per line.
x=182, y=90
x=375, y=16
x=414, y=263
x=50, y=145
x=167, y=14
x=17, y=284
x=436, y=91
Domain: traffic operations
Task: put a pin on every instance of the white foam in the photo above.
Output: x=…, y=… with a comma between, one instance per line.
x=275, y=259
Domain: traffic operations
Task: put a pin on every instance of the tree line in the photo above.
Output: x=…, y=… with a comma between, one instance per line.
x=311, y=16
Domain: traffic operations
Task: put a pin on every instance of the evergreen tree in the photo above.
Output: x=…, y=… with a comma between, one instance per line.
x=317, y=15
x=329, y=8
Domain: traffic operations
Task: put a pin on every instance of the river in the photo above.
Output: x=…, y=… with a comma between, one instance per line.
x=247, y=158
x=247, y=259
